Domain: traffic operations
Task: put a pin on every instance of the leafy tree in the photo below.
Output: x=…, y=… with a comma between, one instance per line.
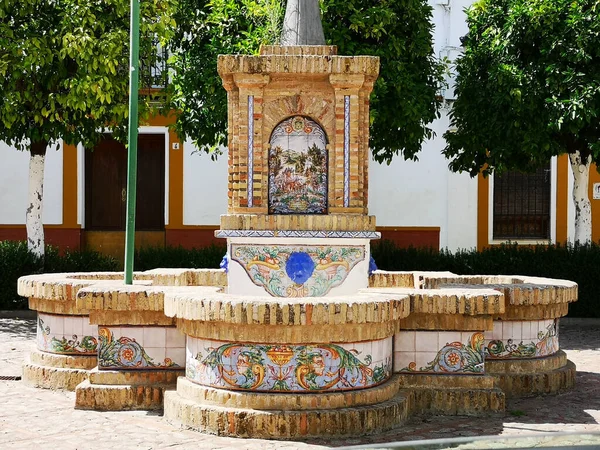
x=528, y=88
x=398, y=31
x=64, y=75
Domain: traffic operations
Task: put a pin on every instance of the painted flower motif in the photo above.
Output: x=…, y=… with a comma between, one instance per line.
x=127, y=354
x=452, y=358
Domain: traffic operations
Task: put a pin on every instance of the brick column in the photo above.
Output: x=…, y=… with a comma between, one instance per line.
x=363, y=144
x=232, y=143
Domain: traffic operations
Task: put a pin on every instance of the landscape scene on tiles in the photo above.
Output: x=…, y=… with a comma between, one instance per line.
x=297, y=271
x=281, y=368
x=298, y=168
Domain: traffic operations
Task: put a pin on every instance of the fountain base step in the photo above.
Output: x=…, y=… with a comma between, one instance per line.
x=112, y=390
x=53, y=371
x=187, y=407
x=290, y=401
x=457, y=401
x=453, y=394
x=526, y=378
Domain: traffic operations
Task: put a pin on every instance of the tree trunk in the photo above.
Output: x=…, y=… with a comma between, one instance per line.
x=583, y=208
x=33, y=216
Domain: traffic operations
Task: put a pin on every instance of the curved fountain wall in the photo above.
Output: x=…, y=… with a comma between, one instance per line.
x=298, y=336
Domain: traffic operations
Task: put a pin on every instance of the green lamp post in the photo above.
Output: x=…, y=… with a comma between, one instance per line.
x=134, y=63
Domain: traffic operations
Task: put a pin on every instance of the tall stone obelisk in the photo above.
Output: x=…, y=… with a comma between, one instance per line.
x=302, y=24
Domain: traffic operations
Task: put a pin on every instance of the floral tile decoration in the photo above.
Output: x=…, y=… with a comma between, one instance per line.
x=67, y=335
x=298, y=168
x=522, y=339
x=288, y=368
x=297, y=271
x=440, y=352
x=140, y=348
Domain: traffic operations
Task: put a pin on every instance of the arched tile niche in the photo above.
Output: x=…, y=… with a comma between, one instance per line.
x=298, y=169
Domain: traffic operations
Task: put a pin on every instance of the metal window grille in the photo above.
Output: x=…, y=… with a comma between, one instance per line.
x=522, y=205
x=153, y=68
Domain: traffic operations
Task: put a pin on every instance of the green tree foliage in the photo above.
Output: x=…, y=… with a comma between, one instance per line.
x=528, y=85
x=64, y=74
x=398, y=31
x=64, y=71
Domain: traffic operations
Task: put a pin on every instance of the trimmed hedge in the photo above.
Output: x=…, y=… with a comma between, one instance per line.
x=579, y=263
x=179, y=257
x=16, y=261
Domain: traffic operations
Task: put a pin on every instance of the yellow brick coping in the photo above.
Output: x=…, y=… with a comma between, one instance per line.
x=297, y=222
x=518, y=290
x=307, y=64
x=200, y=304
x=452, y=300
x=66, y=287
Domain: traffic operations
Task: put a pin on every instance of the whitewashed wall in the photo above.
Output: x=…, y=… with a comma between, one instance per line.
x=14, y=175
x=426, y=194
x=204, y=187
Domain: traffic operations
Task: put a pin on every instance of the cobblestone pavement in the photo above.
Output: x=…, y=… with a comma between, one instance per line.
x=31, y=418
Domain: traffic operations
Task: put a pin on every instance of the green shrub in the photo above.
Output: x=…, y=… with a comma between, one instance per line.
x=579, y=263
x=17, y=261
x=78, y=261
x=179, y=257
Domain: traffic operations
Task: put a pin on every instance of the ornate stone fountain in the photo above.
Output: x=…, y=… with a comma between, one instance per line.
x=298, y=338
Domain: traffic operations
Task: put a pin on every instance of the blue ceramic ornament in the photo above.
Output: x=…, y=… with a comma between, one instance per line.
x=299, y=267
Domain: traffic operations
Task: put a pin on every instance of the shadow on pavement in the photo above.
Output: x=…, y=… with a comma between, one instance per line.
x=579, y=334
x=21, y=328
x=581, y=405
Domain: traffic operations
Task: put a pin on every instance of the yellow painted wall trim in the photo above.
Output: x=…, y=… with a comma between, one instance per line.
x=483, y=204
x=562, y=198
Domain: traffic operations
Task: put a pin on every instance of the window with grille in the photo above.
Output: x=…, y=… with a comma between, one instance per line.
x=522, y=205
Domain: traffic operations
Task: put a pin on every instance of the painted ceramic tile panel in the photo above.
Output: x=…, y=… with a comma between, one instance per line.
x=298, y=168
x=297, y=271
x=453, y=357
x=515, y=342
x=127, y=353
x=65, y=335
x=289, y=368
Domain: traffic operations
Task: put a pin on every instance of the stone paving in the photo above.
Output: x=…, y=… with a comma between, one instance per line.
x=31, y=418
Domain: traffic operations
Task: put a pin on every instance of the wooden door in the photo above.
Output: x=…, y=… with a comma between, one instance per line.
x=106, y=185
x=150, y=203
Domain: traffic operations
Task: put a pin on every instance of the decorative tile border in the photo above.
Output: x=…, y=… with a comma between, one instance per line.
x=329, y=234
x=288, y=368
x=439, y=352
x=66, y=335
x=244, y=233
x=298, y=234
x=522, y=339
x=250, y=151
x=297, y=271
x=140, y=348
x=346, y=151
